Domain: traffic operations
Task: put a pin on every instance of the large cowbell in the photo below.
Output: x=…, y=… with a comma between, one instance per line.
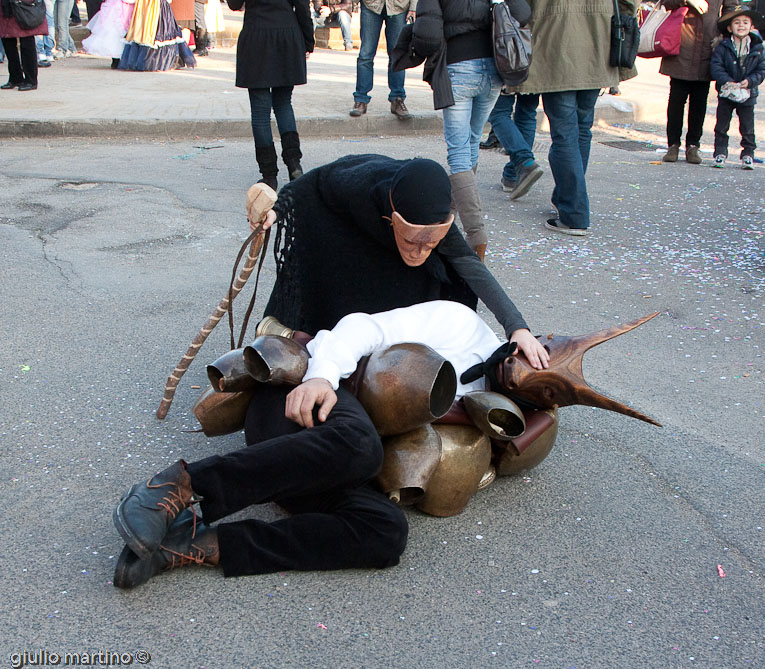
x=563, y=384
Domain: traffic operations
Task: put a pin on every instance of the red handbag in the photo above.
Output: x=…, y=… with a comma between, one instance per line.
x=660, y=31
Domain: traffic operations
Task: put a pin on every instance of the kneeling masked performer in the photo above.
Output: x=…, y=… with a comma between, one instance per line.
x=311, y=449
x=368, y=233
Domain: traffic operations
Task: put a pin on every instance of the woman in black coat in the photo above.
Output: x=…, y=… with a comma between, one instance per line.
x=271, y=54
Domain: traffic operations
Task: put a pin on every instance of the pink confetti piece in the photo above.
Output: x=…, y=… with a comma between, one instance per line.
x=321, y=626
x=720, y=571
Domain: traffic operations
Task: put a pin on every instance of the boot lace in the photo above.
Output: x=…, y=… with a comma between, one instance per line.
x=173, y=502
x=194, y=555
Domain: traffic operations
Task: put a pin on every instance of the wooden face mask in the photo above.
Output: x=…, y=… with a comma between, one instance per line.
x=415, y=242
x=563, y=384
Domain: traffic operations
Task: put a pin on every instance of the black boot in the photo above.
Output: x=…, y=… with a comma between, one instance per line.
x=200, y=37
x=266, y=157
x=291, y=154
x=188, y=541
x=147, y=510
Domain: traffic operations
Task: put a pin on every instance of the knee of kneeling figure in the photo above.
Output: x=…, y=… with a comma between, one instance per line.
x=396, y=535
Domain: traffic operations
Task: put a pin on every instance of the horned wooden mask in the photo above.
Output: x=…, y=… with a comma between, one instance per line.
x=563, y=384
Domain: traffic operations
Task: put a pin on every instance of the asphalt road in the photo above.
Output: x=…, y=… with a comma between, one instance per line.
x=610, y=554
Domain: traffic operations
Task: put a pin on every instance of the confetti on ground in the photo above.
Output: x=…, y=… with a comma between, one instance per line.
x=720, y=571
x=321, y=626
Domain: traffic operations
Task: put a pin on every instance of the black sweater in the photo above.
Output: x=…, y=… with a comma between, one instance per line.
x=336, y=254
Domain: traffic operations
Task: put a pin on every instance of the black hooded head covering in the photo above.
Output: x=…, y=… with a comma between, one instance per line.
x=421, y=192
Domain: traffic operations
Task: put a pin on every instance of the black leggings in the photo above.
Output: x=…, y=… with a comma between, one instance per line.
x=321, y=475
x=696, y=92
x=24, y=70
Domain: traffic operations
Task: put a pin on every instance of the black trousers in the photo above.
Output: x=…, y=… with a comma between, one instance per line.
x=24, y=70
x=745, y=113
x=696, y=92
x=321, y=475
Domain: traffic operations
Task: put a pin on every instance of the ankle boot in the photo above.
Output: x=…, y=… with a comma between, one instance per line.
x=200, y=37
x=188, y=541
x=465, y=200
x=148, y=509
x=266, y=157
x=291, y=154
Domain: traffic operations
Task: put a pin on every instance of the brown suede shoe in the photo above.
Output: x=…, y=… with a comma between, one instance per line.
x=692, y=155
x=398, y=108
x=146, y=511
x=188, y=541
x=359, y=109
x=672, y=154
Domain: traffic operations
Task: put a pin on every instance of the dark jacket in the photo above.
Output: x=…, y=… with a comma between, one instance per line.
x=725, y=66
x=10, y=28
x=271, y=48
x=698, y=32
x=336, y=254
x=439, y=22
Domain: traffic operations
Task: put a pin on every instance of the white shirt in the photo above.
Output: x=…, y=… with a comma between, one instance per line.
x=450, y=328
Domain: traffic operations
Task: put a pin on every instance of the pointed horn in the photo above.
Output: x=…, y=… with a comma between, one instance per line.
x=588, y=395
x=588, y=341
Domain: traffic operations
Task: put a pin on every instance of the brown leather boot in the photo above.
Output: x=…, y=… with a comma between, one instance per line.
x=480, y=251
x=147, y=510
x=672, y=154
x=188, y=541
x=692, y=155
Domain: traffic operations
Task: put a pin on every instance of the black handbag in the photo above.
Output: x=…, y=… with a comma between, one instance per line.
x=625, y=39
x=28, y=15
x=512, y=46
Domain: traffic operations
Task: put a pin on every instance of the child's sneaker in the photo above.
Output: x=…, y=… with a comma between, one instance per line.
x=747, y=163
x=719, y=161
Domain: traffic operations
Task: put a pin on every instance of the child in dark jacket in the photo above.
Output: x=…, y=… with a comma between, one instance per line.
x=738, y=67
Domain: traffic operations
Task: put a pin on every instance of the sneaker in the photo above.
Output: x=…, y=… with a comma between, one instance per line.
x=672, y=154
x=398, y=108
x=747, y=163
x=43, y=62
x=692, y=155
x=509, y=185
x=555, y=224
x=527, y=177
x=719, y=161
x=359, y=108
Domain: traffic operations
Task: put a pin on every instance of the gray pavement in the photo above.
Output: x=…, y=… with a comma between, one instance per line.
x=609, y=554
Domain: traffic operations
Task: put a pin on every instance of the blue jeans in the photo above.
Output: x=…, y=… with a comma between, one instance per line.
x=570, y=114
x=262, y=100
x=62, y=10
x=371, y=25
x=45, y=43
x=515, y=131
x=475, y=87
x=341, y=19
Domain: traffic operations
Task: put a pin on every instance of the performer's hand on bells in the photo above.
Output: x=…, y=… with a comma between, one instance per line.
x=535, y=353
x=301, y=401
